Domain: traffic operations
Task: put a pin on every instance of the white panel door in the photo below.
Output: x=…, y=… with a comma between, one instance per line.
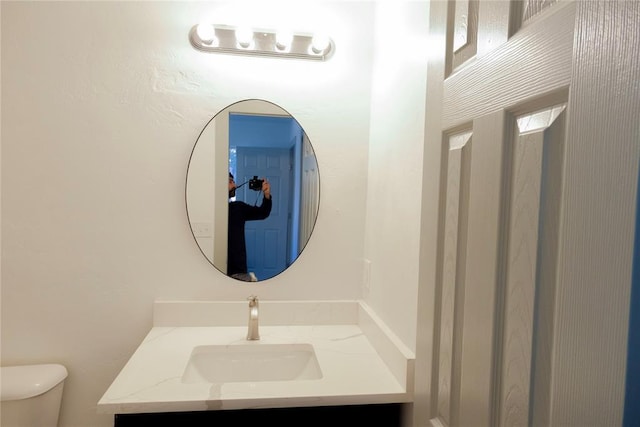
x=533, y=127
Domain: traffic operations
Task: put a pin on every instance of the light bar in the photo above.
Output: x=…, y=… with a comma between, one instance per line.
x=243, y=41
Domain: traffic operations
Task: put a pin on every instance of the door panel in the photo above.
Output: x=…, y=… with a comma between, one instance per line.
x=463, y=20
x=526, y=296
x=457, y=152
x=525, y=257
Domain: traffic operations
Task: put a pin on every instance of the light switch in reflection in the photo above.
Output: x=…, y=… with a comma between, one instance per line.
x=202, y=229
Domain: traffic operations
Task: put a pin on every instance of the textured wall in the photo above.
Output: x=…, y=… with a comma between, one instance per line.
x=101, y=105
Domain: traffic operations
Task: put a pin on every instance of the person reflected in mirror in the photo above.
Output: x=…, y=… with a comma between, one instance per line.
x=239, y=214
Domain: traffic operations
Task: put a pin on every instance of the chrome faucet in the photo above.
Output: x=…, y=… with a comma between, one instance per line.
x=253, y=333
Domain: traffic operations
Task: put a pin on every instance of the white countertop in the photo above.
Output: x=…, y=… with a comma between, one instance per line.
x=353, y=372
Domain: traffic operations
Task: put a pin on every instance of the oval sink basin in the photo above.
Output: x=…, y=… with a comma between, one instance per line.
x=251, y=363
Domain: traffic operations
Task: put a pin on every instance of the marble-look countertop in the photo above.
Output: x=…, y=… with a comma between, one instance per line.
x=353, y=372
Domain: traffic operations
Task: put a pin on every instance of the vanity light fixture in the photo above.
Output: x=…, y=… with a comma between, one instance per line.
x=246, y=41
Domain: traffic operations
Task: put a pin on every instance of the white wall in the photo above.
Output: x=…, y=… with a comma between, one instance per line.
x=395, y=164
x=101, y=105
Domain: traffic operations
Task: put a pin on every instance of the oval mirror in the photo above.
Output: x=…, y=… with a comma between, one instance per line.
x=252, y=190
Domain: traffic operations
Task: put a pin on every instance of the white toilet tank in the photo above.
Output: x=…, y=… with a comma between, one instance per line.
x=31, y=395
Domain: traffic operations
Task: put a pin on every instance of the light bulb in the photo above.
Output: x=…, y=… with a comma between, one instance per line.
x=283, y=39
x=206, y=33
x=244, y=36
x=319, y=43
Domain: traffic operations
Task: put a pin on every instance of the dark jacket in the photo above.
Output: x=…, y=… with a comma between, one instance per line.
x=239, y=213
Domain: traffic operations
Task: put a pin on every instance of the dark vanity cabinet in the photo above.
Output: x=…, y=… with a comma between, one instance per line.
x=380, y=415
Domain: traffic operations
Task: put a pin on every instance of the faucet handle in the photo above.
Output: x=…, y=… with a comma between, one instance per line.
x=252, y=300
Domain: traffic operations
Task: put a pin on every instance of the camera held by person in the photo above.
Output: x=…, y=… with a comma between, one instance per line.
x=255, y=184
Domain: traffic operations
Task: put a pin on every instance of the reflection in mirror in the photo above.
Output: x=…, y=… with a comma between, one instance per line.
x=252, y=139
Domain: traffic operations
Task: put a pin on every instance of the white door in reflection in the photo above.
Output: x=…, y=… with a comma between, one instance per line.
x=266, y=239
